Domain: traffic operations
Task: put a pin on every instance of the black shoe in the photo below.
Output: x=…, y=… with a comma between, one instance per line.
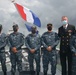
x=37, y=73
x=32, y=73
x=45, y=73
x=5, y=73
x=12, y=73
x=53, y=74
x=19, y=73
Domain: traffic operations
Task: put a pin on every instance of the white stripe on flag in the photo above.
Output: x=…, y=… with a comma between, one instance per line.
x=28, y=15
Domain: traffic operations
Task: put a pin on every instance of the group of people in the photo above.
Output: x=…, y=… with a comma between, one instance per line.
x=49, y=40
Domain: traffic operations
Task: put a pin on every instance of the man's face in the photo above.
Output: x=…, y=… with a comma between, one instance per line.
x=15, y=29
x=33, y=30
x=49, y=27
x=64, y=18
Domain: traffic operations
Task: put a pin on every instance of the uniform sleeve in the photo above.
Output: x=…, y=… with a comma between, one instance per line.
x=56, y=40
x=59, y=33
x=39, y=44
x=26, y=43
x=74, y=30
x=42, y=41
x=8, y=41
x=4, y=40
x=22, y=42
x=73, y=49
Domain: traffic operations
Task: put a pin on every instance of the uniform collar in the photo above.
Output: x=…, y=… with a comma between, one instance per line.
x=65, y=26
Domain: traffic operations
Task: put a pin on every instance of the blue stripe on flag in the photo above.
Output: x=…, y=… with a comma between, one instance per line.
x=28, y=27
x=36, y=19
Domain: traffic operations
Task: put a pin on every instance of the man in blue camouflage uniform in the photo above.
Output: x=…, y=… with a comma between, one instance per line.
x=3, y=41
x=33, y=43
x=16, y=41
x=50, y=40
x=73, y=49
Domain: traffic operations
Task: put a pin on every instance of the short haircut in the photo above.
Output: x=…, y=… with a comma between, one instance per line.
x=49, y=24
x=64, y=16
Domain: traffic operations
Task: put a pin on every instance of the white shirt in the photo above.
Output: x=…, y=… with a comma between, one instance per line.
x=65, y=26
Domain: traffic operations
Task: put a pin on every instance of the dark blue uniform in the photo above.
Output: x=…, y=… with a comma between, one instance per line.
x=3, y=41
x=65, y=51
x=16, y=40
x=33, y=41
x=50, y=39
x=73, y=49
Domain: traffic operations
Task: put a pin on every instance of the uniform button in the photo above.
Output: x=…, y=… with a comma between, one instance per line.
x=67, y=40
x=67, y=36
x=67, y=43
x=62, y=43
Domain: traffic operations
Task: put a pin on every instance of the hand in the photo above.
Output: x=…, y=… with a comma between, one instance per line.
x=32, y=50
x=49, y=48
x=75, y=54
x=14, y=50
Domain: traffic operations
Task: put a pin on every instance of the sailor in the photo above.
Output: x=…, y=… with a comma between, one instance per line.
x=33, y=43
x=50, y=40
x=3, y=42
x=16, y=41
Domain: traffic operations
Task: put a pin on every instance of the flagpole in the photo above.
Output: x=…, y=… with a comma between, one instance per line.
x=13, y=1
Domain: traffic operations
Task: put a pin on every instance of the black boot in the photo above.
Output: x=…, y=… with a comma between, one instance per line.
x=19, y=73
x=45, y=73
x=53, y=74
x=37, y=73
x=5, y=73
x=32, y=73
x=12, y=73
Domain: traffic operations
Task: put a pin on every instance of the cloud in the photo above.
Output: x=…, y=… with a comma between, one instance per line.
x=49, y=11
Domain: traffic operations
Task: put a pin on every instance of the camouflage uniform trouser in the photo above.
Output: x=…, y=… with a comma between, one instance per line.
x=16, y=58
x=52, y=58
x=3, y=61
x=31, y=58
x=73, y=65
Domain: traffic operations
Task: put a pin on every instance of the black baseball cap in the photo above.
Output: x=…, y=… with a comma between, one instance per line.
x=16, y=25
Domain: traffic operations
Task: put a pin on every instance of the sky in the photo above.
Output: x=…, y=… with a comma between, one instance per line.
x=48, y=11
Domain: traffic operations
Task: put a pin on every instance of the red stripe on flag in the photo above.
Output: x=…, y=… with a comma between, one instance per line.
x=20, y=9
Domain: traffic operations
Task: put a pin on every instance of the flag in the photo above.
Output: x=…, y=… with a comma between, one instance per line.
x=28, y=27
x=28, y=15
